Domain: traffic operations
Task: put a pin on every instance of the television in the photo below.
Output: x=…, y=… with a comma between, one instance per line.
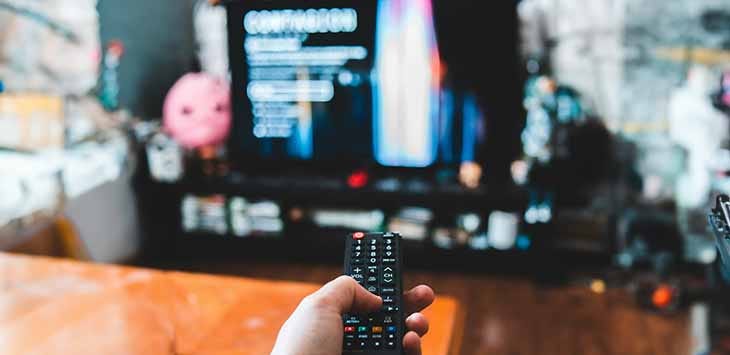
x=348, y=83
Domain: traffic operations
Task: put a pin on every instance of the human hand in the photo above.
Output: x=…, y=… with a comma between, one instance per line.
x=316, y=326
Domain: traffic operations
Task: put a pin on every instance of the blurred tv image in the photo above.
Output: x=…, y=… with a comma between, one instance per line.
x=356, y=81
x=408, y=84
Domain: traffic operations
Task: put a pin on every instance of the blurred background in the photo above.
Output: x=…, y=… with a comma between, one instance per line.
x=525, y=147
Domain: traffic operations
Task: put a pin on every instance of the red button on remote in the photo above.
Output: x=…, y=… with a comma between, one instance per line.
x=349, y=329
x=358, y=235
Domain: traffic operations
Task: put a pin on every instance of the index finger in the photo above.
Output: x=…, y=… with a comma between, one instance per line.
x=417, y=299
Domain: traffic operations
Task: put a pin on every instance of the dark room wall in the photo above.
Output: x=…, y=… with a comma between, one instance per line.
x=158, y=38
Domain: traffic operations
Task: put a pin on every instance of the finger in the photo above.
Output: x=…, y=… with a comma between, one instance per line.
x=418, y=298
x=346, y=295
x=418, y=323
x=412, y=344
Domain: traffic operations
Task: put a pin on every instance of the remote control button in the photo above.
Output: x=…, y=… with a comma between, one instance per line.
x=352, y=320
x=358, y=235
x=377, y=330
x=372, y=270
x=389, y=254
x=390, y=344
x=349, y=344
x=373, y=248
x=388, y=275
x=373, y=254
x=357, y=270
x=388, y=281
x=358, y=261
x=357, y=254
x=362, y=344
x=373, y=289
x=362, y=329
x=389, y=235
x=388, y=320
x=390, y=309
x=349, y=329
x=388, y=291
x=391, y=329
x=377, y=344
x=357, y=277
x=390, y=337
x=390, y=261
x=373, y=261
x=357, y=242
x=388, y=300
x=388, y=242
x=374, y=318
x=373, y=241
x=373, y=280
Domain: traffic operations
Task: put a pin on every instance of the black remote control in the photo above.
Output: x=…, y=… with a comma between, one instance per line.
x=374, y=261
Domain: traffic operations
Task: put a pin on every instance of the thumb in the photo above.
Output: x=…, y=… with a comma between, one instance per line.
x=347, y=296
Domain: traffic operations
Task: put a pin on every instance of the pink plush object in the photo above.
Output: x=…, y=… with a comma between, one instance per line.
x=197, y=111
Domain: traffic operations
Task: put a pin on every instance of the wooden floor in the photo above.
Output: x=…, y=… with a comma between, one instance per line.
x=514, y=316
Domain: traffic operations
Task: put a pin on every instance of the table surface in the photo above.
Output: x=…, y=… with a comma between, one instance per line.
x=50, y=306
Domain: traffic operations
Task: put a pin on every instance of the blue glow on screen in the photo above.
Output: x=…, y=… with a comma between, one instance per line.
x=407, y=84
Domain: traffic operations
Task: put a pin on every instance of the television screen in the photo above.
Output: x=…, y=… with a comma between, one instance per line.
x=356, y=81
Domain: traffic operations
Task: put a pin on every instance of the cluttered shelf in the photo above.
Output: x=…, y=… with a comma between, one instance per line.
x=333, y=190
x=237, y=214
